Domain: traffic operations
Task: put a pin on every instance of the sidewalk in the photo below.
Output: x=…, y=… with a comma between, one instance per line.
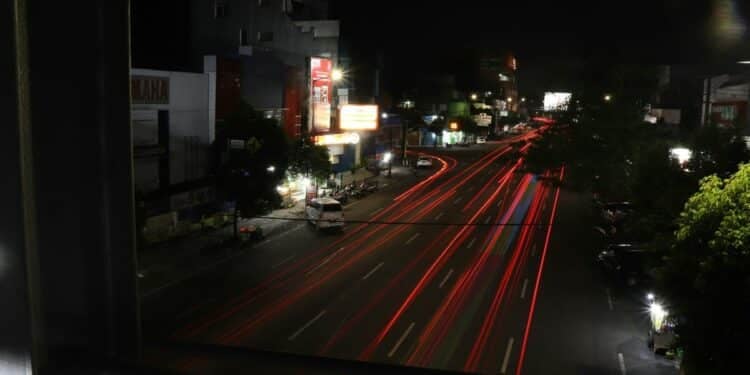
x=178, y=260
x=181, y=259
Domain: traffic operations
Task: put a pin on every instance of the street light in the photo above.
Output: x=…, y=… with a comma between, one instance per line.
x=473, y=96
x=454, y=125
x=510, y=100
x=271, y=169
x=337, y=74
x=384, y=116
x=607, y=98
x=523, y=99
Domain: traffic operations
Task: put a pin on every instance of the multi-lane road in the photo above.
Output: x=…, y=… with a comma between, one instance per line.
x=447, y=270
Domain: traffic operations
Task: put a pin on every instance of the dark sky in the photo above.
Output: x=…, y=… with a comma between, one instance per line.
x=550, y=39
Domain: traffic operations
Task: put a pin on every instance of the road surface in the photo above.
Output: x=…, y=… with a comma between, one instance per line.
x=461, y=268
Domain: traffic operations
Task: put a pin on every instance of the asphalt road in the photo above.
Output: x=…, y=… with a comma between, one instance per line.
x=455, y=269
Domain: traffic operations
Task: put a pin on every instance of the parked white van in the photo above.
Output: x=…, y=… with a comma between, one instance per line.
x=325, y=213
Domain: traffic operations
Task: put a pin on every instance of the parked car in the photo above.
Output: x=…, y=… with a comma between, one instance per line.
x=615, y=212
x=424, y=162
x=481, y=140
x=629, y=264
x=325, y=213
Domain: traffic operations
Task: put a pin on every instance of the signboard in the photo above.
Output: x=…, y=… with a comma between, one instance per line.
x=483, y=119
x=337, y=139
x=556, y=101
x=359, y=117
x=321, y=87
x=149, y=90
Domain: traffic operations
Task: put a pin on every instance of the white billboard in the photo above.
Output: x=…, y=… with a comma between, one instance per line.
x=359, y=117
x=556, y=101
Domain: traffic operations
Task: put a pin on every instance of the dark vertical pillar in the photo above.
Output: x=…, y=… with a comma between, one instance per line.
x=80, y=208
x=163, y=126
x=21, y=336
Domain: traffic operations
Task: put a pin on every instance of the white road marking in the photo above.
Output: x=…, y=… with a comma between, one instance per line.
x=506, y=358
x=455, y=201
x=439, y=216
x=308, y=324
x=487, y=220
x=376, y=211
x=523, y=289
x=621, y=360
x=324, y=262
x=414, y=237
x=401, y=340
x=609, y=300
x=283, y=261
x=471, y=243
x=450, y=272
x=373, y=271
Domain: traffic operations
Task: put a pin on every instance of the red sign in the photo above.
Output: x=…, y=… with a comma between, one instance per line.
x=321, y=91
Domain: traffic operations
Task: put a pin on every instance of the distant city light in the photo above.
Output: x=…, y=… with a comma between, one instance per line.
x=473, y=96
x=510, y=100
x=384, y=115
x=271, y=169
x=681, y=154
x=523, y=99
x=454, y=126
x=607, y=97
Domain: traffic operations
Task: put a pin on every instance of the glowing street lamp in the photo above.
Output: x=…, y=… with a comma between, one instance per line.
x=510, y=100
x=658, y=314
x=683, y=155
x=607, y=97
x=337, y=74
x=271, y=169
x=454, y=125
x=523, y=99
x=473, y=96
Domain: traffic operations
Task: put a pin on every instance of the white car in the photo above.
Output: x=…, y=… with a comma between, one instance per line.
x=325, y=213
x=424, y=162
x=481, y=140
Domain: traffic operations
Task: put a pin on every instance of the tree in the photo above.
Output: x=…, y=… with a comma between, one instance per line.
x=707, y=277
x=310, y=160
x=254, y=166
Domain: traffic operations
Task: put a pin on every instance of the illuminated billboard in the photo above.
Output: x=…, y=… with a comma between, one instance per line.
x=337, y=139
x=321, y=91
x=556, y=101
x=359, y=117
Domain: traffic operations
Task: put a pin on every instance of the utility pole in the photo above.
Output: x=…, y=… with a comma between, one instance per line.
x=404, y=126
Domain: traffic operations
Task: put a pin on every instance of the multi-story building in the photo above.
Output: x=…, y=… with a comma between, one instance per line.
x=262, y=49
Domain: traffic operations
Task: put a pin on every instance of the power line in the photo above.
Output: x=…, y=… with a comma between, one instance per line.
x=438, y=223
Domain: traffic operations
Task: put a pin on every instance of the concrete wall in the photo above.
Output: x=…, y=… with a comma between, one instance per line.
x=191, y=127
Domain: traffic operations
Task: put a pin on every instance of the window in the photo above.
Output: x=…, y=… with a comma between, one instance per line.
x=220, y=9
x=728, y=113
x=243, y=37
x=265, y=36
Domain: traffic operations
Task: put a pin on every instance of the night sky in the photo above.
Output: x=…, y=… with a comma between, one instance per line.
x=552, y=40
